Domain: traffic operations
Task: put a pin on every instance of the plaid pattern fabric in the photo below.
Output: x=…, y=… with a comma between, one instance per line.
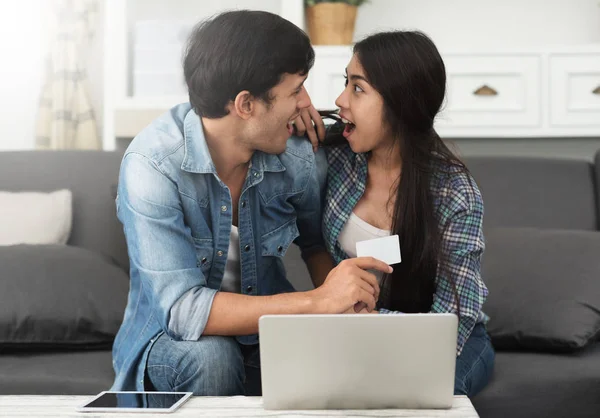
x=459, y=209
x=65, y=116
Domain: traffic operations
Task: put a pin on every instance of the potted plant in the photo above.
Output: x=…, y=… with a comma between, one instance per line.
x=331, y=22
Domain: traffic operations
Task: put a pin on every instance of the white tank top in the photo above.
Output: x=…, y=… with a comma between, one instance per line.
x=356, y=230
x=232, y=278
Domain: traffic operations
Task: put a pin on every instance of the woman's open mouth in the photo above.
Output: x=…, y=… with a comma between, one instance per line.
x=348, y=128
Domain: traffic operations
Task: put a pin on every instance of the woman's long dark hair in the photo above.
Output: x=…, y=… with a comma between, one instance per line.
x=407, y=70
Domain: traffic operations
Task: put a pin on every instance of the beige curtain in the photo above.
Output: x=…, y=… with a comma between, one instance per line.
x=66, y=118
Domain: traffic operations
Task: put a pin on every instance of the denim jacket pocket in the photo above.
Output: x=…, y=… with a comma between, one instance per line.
x=204, y=254
x=277, y=242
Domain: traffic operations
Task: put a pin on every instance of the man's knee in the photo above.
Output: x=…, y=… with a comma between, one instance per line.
x=212, y=366
x=217, y=368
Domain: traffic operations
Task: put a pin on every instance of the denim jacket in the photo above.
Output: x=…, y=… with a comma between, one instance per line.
x=177, y=219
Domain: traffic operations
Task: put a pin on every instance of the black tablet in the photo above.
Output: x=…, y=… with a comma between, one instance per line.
x=154, y=402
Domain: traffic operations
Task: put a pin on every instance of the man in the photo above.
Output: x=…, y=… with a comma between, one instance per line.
x=210, y=196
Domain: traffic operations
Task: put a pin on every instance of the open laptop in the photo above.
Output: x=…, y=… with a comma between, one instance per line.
x=358, y=361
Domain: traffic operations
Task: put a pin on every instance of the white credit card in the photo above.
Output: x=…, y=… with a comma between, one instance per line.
x=386, y=249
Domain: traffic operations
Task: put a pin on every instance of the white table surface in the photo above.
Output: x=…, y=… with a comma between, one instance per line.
x=237, y=406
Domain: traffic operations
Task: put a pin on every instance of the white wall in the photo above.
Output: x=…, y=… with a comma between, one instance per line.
x=486, y=24
x=187, y=11
x=22, y=47
x=20, y=71
x=193, y=9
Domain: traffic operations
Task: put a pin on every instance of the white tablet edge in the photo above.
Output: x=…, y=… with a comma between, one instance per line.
x=173, y=408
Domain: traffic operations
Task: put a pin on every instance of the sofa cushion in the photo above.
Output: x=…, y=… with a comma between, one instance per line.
x=56, y=373
x=544, y=288
x=35, y=217
x=59, y=296
x=528, y=384
x=537, y=192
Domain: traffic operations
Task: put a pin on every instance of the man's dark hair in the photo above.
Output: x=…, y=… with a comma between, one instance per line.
x=241, y=50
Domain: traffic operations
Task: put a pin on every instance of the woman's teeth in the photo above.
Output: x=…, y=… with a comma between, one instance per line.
x=350, y=124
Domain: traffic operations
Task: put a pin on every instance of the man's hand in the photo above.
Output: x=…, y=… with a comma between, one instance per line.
x=311, y=123
x=361, y=311
x=348, y=284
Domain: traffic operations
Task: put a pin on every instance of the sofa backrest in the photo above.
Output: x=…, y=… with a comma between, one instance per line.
x=517, y=191
x=537, y=192
x=91, y=176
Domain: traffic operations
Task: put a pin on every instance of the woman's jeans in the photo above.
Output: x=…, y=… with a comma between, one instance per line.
x=475, y=365
x=220, y=366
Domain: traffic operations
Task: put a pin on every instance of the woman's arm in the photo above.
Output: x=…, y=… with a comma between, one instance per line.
x=462, y=246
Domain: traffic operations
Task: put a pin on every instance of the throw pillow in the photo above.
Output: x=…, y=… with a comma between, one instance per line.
x=59, y=296
x=544, y=288
x=35, y=217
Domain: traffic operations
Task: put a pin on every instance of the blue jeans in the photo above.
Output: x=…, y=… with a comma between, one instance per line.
x=220, y=366
x=475, y=365
x=211, y=366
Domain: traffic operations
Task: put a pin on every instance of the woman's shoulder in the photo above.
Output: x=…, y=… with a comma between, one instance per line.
x=455, y=188
x=338, y=155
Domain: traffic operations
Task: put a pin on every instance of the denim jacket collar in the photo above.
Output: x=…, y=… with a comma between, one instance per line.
x=197, y=157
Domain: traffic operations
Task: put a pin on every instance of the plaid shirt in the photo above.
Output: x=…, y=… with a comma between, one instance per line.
x=459, y=210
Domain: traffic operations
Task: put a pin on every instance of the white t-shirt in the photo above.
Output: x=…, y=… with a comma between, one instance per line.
x=356, y=230
x=232, y=280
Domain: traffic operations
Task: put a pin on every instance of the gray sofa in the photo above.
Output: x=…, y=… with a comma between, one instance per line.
x=540, y=222
x=540, y=265
x=43, y=368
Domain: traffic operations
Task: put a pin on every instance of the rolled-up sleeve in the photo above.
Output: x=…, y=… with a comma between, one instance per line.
x=310, y=209
x=161, y=248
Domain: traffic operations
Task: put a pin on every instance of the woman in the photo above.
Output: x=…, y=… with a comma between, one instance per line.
x=390, y=173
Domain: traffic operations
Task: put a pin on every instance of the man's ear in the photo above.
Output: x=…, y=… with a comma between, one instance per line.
x=244, y=104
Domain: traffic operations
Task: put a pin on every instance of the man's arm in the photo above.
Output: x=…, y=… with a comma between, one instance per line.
x=162, y=252
x=160, y=245
x=236, y=314
x=347, y=284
